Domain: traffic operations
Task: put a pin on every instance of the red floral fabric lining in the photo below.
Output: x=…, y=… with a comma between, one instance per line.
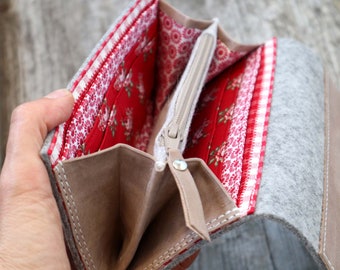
x=175, y=44
x=134, y=70
x=126, y=110
x=234, y=148
x=218, y=131
x=92, y=82
x=211, y=124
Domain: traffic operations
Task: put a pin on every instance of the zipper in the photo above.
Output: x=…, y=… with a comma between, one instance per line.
x=171, y=139
x=73, y=85
x=175, y=130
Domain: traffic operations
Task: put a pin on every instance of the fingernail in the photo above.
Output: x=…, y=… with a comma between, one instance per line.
x=58, y=94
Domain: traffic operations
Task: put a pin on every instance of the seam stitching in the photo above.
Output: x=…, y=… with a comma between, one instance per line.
x=72, y=208
x=189, y=238
x=327, y=180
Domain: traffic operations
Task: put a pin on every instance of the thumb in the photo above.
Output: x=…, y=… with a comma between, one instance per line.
x=30, y=124
x=30, y=225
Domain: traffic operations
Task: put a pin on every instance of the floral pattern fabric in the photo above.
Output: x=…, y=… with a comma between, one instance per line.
x=123, y=87
x=125, y=116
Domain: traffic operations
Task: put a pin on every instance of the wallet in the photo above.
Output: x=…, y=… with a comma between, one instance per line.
x=165, y=146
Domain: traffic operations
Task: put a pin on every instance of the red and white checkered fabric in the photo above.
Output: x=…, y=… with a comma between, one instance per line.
x=238, y=155
x=257, y=130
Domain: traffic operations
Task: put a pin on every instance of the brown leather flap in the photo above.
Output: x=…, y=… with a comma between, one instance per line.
x=125, y=214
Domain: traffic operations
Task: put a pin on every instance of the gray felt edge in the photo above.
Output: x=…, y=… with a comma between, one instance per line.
x=246, y=224
x=291, y=185
x=292, y=181
x=67, y=230
x=49, y=138
x=47, y=142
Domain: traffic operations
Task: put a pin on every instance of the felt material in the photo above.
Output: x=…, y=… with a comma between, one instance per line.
x=71, y=248
x=275, y=245
x=290, y=196
x=291, y=187
x=292, y=182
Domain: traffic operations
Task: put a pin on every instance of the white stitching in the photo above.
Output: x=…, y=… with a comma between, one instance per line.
x=222, y=216
x=327, y=182
x=72, y=209
x=189, y=238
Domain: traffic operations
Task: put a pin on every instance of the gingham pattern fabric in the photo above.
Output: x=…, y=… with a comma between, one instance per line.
x=242, y=150
x=257, y=130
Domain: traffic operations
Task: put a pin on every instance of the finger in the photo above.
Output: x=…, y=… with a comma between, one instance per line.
x=23, y=170
x=31, y=122
x=28, y=209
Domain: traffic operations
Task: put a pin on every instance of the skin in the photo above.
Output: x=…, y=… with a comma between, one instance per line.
x=30, y=226
x=31, y=235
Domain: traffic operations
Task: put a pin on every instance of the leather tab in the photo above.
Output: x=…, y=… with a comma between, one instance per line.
x=190, y=198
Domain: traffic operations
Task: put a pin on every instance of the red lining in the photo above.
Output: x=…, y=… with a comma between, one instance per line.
x=117, y=98
x=127, y=105
x=80, y=99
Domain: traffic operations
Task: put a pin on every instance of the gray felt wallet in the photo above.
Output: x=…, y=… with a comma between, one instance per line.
x=179, y=134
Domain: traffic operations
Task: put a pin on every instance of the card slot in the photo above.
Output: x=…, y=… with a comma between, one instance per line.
x=92, y=141
x=224, y=117
x=133, y=106
x=209, y=134
x=131, y=87
x=203, y=127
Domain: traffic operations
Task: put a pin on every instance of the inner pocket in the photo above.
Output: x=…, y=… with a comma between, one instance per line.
x=213, y=116
x=114, y=203
x=126, y=215
x=145, y=67
x=126, y=110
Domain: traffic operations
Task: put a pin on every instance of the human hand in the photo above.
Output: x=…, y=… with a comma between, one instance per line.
x=31, y=234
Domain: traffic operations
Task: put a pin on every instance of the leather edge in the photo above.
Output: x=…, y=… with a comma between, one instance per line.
x=215, y=226
x=72, y=251
x=328, y=252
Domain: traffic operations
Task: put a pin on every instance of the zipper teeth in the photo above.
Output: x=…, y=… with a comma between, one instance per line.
x=93, y=77
x=193, y=80
x=190, y=88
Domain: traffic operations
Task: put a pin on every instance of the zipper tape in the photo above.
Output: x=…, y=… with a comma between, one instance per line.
x=174, y=132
